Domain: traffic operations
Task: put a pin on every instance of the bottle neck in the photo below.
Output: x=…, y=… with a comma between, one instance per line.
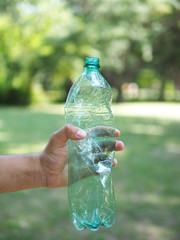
x=90, y=68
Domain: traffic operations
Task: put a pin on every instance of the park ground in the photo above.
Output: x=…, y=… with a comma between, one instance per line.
x=146, y=180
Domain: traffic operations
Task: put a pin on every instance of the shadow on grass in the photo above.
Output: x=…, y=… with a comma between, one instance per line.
x=146, y=182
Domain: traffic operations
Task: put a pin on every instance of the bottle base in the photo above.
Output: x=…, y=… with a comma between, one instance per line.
x=80, y=224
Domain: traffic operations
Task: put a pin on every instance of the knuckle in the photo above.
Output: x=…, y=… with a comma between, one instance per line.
x=53, y=136
x=68, y=126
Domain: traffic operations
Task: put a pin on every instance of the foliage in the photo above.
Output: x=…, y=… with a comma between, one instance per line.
x=45, y=43
x=132, y=35
x=36, y=46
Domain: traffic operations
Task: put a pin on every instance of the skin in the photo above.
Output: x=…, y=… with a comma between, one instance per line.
x=48, y=168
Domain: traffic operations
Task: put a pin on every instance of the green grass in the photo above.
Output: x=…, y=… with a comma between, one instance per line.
x=146, y=180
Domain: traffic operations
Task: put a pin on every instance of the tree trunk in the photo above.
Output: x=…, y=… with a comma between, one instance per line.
x=120, y=97
x=161, y=95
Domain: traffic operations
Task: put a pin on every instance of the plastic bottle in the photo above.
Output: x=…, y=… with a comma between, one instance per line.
x=90, y=192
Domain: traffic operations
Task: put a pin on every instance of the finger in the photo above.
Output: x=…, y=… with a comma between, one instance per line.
x=101, y=131
x=69, y=132
x=100, y=157
x=117, y=133
x=119, y=146
x=107, y=146
x=115, y=163
x=103, y=146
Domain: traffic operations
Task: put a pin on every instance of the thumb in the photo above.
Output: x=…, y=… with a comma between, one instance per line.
x=69, y=132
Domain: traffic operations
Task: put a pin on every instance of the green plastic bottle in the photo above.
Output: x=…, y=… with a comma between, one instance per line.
x=90, y=192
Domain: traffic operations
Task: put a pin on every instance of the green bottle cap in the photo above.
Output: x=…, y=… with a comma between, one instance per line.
x=92, y=61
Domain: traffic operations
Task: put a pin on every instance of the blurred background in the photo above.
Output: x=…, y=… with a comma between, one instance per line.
x=43, y=46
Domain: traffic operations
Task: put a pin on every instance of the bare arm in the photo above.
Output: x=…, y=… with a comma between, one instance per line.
x=47, y=169
x=18, y=172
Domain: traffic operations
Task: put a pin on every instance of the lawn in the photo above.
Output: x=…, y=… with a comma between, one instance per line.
x=146, y=180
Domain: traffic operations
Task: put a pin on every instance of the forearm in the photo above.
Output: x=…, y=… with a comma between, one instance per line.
x=18, y=172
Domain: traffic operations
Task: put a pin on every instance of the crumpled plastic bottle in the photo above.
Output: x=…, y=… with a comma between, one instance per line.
x=90, y=191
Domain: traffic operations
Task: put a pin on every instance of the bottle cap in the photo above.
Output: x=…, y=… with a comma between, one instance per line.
x=92, y=61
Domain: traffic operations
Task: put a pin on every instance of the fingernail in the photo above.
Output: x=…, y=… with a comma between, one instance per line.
x=81, y=133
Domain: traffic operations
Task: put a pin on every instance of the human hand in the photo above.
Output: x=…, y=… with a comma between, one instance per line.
x=53, y=160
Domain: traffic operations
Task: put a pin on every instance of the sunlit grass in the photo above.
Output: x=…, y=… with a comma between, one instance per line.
x=156, y=110
x=146, y=180
x=153, y=110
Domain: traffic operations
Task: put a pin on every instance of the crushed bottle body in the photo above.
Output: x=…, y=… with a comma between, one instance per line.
x=90, y=191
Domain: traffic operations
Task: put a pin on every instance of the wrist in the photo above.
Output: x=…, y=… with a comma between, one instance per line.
x=39, y=175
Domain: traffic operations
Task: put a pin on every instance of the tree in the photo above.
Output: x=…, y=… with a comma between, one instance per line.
x=39, y=43
x=126, y=35
x=166, y=51
x=46, y=42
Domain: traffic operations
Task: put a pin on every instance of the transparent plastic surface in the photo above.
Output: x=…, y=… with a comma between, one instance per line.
x=90, y=191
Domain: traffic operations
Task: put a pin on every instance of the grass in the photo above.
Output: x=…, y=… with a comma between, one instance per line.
x=146, y=180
